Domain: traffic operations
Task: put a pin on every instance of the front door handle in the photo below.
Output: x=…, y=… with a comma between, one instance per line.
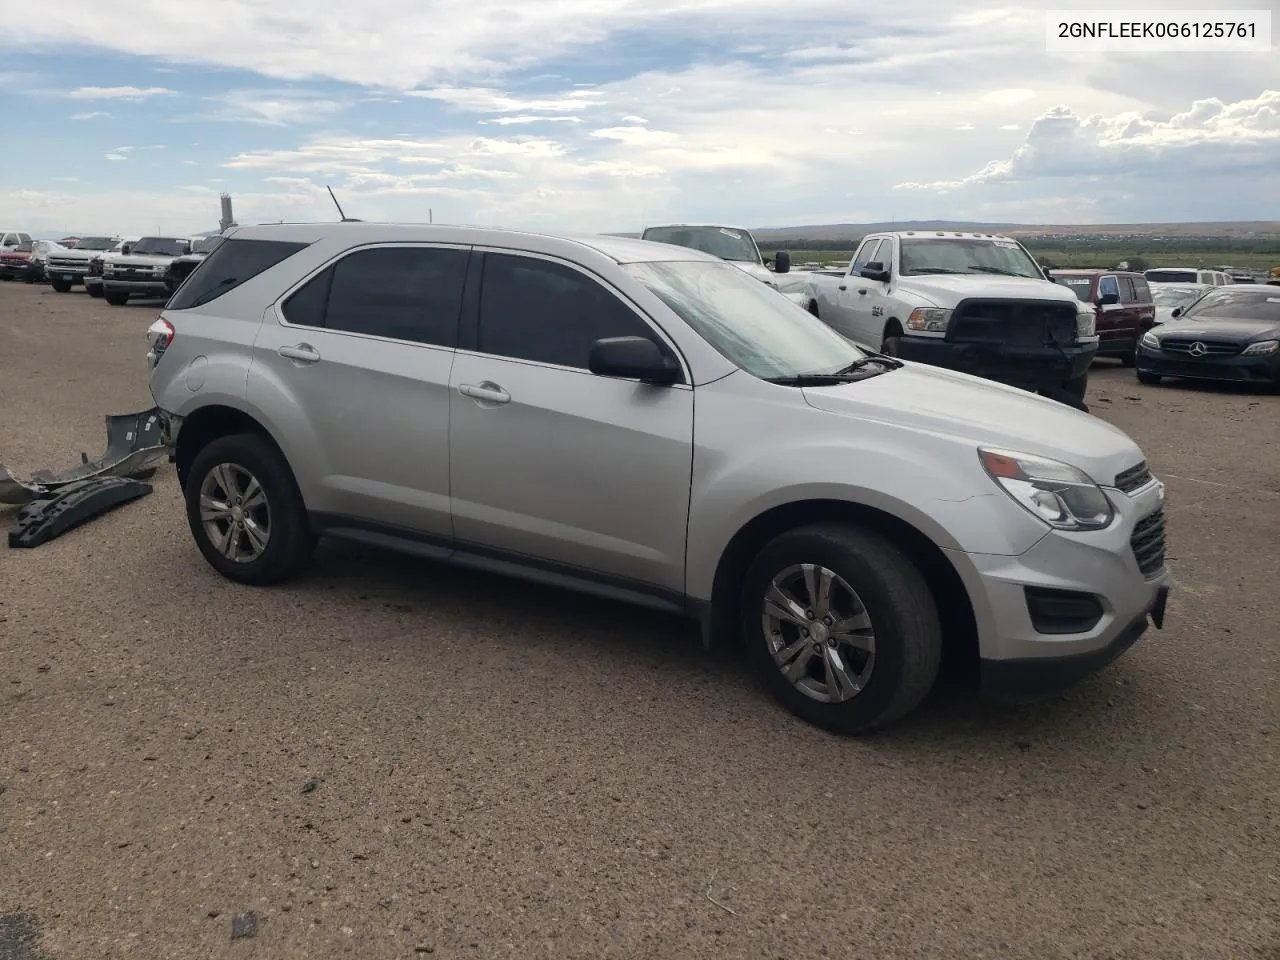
x=862, y=290
x=302, y=352
x=486, y=392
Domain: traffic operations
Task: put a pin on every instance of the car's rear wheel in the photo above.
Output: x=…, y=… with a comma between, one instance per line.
x=117, y=298
x=842, y=626
x=245, y=511
x=1150, y=379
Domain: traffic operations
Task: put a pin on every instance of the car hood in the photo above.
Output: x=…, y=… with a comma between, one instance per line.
x=948, y=289
x=1223, y=328
x=956, y=405
x=141, y=259
x=73, y=254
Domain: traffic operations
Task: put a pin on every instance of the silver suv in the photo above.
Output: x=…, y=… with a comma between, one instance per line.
x=648, y=423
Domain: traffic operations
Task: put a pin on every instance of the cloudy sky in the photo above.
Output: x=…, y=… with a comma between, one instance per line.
x=131, y=116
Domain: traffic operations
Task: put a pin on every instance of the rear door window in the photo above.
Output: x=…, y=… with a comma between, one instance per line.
x=402, y=293
x=1143, y=289
x=1128, y=293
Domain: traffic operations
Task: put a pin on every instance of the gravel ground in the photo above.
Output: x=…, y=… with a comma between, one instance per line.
x=392, y=759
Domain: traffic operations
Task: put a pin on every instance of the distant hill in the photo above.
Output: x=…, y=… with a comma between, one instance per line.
x=848, y=232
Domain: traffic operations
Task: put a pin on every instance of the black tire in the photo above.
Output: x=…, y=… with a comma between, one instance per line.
x=94, y=291
x=1128, y=360
x=117, y=298
x=61, y=286
x=1150, y=379
x=289, y=540
x=898, y=602
x=813, y=308
x=6, y=278
x=892, y=333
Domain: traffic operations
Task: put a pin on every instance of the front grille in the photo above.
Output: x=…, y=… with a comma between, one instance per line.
x=1211, y=348
x=1135, y=478
x=62, y=263
x=1147, y=543
x=1013, y=323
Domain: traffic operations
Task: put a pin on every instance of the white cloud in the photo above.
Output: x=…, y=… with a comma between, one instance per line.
x=274, y=108
x=115, y=156
x=484, y=100
x=525, y=120
x=1209, y=137
x=90, y=115
x=118, y=93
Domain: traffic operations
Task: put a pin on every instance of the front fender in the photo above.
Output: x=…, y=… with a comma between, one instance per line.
x=929, y=481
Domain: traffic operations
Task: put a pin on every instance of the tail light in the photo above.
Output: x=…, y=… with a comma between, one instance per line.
x=159, y=336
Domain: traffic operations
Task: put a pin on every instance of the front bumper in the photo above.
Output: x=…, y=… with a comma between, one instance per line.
x=67, y=272
x=140, y=288
x=18, y=271
x=1031, y=368
x=1022, y=655
x=1264, y=370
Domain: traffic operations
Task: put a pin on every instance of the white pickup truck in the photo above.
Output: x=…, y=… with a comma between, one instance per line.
x=738, y=246
x=970, y=302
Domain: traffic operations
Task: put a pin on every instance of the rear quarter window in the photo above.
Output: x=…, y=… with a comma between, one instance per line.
x=1143, y=290
x=230, y=265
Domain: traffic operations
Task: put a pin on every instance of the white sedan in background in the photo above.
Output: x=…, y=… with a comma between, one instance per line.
x=1169, y=296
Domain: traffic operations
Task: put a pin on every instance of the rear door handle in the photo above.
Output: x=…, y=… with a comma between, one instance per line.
x=487, y=392
x=302, y=352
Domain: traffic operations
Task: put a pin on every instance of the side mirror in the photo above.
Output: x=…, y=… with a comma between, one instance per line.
x=1108, y=299
x=875, y=271
x=633, y=358
x=127, y=248
x=783, y=262
x=1177, y=312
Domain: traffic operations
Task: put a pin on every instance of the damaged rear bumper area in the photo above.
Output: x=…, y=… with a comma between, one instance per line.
x=57, y=502
x=1031, y=344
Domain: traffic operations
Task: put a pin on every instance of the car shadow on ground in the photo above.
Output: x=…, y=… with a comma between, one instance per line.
x=524, y=617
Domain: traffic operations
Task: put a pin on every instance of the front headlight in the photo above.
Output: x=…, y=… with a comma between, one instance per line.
x=1261, y=349
x=1059, y=494
x=930, y=319
x=1086, y=323
x=1150, y=340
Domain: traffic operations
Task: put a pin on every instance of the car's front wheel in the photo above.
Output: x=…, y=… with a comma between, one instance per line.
x=117, y=298
x=1150, y=379
x=842, y=625
x=60, y=286
x=245, y=510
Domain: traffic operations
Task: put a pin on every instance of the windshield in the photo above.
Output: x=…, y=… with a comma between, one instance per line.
x=1247, y=304
x=720, y=242
x=1080, y=286
x=164, y=246
x=1174, y=296
x=747, y=321
x=96, y=243
x=923, y=256
x=1172, y=276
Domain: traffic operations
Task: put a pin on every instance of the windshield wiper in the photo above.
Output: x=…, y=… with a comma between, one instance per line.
x=1003, y=273
x=871, y=365
x=917, y=270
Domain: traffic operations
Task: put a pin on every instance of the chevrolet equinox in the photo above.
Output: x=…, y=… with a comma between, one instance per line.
x=648, y=423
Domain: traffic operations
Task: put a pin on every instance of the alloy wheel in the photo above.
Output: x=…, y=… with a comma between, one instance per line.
x=819, y=632
x=235, y=513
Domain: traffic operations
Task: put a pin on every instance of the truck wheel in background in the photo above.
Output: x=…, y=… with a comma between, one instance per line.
x=892, y=332
x=61, y=286
x=813, y=308
x=117, y=298
x=94, y=291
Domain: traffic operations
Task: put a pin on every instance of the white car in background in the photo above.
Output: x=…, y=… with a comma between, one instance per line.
x=93, y=274
x=1169, y=296
x=1210, y=278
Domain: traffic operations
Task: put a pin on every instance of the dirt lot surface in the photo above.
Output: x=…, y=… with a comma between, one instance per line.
x=392, y=759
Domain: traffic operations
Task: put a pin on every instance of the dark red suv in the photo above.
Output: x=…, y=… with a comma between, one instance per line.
x=1125, y=310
